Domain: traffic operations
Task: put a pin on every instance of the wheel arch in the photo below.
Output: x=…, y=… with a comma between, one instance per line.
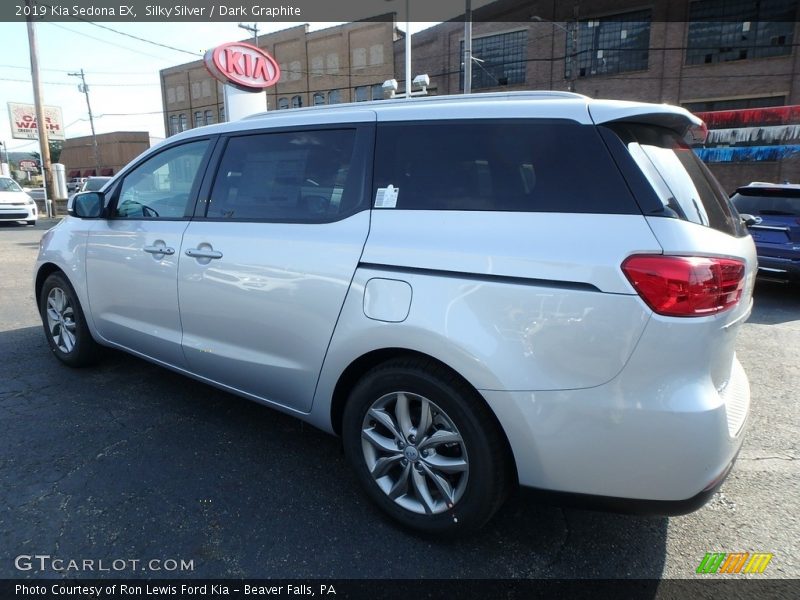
x=364, y=363
x=43, y=273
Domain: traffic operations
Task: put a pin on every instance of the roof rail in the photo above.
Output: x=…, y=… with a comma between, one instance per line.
x=515, y=95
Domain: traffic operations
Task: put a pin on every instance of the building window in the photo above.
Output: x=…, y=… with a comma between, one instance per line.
x=319, y=98
x=222, y=114
x=317, y=65
x=297, y=101
x=183, y=122
x=610, y=45
x=362, y=93
x=206, y=88
x=334, y=97
x=195, y=89
x=283, y=103
x=725, y=30
x=180, y=93
x=295, y=70
x=332, y=63
x=737, y=104
x=209, y=117
x=171, y=95
x=173, y=125
x=376, y=54
x=377, y=91
x=198, y=118
x=500, y=60
x=359, y=57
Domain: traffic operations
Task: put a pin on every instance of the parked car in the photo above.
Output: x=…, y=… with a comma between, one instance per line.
x=775, y=226
x=94, y=184
x=74, y=185
x=15, y=203
x=474, y=292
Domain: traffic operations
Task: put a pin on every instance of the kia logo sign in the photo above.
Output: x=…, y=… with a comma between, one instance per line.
x=242, y=65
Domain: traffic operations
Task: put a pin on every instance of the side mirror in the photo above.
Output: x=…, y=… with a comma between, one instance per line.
x=749, y=219
x=86, y=205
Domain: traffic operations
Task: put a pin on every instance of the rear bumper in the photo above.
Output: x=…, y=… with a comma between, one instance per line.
x=621, y=447
x=779, y=268
x=630, y=506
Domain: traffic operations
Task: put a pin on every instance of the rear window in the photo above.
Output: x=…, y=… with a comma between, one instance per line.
x=683, y=184
x=751, y=202
x=530, y=166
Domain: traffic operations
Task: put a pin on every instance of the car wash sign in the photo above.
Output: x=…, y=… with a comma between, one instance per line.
x=243, y=66
x=23, y=121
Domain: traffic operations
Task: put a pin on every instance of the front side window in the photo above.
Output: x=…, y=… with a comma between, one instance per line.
x=161, y=186
x=524, y=166
x=610, y=45
x=295, y=176
x=726, y=30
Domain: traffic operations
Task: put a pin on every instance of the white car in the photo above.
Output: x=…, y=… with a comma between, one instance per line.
x=474, y=292
x=16, y=204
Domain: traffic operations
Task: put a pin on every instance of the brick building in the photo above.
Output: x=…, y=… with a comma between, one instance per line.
x=345, y=63
x=705, y=55
x=115, y=150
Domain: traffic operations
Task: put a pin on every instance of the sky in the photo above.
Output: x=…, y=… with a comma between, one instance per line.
x=121, y=72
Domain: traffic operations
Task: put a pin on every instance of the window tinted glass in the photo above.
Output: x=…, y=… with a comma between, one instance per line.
x=772, y=204
x=161, y=186
x=296, y=176
x=501, y=165
x=679, y=177
x=9, y=185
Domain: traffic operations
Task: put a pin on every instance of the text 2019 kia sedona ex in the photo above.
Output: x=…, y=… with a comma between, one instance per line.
x=473, y=292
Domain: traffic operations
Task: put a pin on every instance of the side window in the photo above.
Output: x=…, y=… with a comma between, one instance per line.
x=160, y=187
x=293, y=176
x=528, y=166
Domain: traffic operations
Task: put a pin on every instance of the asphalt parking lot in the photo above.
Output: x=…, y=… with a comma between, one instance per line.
x=130, y=461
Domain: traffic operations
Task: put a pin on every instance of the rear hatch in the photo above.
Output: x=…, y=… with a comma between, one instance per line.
x=709, y=294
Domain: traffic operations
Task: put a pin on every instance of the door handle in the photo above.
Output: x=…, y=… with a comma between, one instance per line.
x=159, y=250
x=203, y=253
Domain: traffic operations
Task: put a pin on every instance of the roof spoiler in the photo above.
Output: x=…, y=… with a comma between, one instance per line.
x=690, y=127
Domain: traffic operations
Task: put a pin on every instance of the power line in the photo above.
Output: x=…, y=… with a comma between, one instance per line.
x=94, y=84
x=130, y=35
x=97, y=39
x=27, y=68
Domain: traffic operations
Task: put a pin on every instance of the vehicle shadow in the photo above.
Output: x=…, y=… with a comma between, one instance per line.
x=775, y=302
x=127, y=459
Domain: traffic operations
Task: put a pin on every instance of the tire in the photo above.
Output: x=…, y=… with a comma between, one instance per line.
x=64, y=323
x=446, y=485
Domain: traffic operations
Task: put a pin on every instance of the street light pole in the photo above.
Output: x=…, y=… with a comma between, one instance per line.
x=468, y=47
x=252, y=29
x=85, y=89
x=573, y=43
x=41, y=124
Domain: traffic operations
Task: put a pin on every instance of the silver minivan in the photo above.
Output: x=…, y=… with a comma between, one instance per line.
x=474, y=292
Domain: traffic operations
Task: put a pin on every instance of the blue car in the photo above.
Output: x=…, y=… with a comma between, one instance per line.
x=772, y=214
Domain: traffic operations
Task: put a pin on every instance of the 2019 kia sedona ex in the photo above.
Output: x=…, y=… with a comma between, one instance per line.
x=474, y=292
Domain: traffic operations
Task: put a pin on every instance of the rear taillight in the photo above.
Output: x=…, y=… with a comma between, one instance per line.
x=686, y=286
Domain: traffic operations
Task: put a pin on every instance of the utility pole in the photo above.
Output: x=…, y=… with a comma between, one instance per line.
x=41, y=124
x=468, y=48
x=252, y=29
x=85, y=89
